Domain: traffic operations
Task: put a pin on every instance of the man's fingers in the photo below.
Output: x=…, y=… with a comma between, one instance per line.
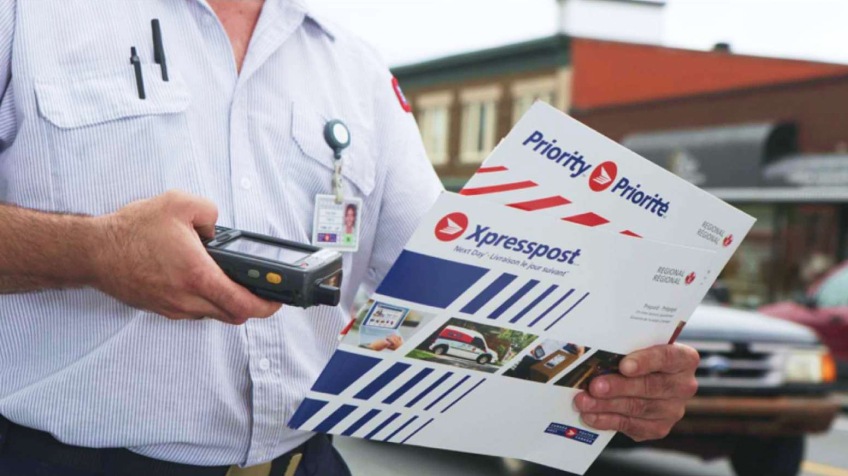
x=631, y=406
x=193, y=307
x=647, y=398
x=667, y=359
x=201, y=213
x=205, y=232
x=239, y=303
x=638, y=429
x=395, y=341
x=205, y=217
x=654, y=386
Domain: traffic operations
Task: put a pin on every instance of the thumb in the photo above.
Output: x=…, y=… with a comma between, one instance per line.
x=204, y=217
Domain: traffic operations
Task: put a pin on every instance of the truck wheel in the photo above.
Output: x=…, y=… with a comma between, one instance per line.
x=441, y=350
x=484, y=359
x=777, y=456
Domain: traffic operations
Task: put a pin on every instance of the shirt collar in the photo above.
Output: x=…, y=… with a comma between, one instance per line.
x=326, y=26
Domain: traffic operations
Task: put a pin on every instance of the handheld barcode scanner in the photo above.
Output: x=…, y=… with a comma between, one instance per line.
x=278, y=270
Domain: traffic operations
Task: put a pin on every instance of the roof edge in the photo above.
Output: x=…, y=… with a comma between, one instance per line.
x=577, y=111
x=481, y=56
x=731, y=54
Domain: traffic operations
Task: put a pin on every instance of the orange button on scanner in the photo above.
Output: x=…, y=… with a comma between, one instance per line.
x=274, y=278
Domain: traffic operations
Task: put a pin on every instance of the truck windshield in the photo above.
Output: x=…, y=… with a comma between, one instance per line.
x=834, y=291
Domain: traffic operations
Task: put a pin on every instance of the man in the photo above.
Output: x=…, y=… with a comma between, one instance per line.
x=124, y=349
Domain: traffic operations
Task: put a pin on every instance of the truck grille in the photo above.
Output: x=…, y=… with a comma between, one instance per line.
x=739, y=365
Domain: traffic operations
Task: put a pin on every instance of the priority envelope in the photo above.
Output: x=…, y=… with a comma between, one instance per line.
x=495, y=316
x=555, y=167
x=502, y=317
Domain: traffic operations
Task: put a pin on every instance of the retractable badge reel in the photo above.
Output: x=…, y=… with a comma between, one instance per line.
x=337, y=217
x=337, y=136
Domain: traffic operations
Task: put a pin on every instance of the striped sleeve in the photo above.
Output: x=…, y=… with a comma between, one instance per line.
x=411, y=184
x=8, y=124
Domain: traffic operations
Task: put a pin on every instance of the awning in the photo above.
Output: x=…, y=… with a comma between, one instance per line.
x=808, y=170
x=720, y=157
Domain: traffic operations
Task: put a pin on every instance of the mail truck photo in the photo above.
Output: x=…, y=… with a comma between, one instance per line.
x=465, y=344
x=472, y=346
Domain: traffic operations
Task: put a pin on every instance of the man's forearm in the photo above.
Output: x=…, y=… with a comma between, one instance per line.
x=41, y=250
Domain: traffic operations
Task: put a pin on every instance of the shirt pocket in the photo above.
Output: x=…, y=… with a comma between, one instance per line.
x=358, y=164
x=108, y=147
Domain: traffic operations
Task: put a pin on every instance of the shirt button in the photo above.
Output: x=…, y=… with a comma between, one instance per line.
x=245, y=183
x=264, y=364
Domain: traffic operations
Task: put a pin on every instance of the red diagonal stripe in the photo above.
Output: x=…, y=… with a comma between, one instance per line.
x=588, y=219
x=498, y=188
x=630, y=233
x=541, y=203
x=485, y=170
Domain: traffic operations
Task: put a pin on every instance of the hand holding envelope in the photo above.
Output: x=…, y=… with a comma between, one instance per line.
x=649, y=396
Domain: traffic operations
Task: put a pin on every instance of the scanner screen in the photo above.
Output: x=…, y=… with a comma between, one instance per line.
x=260, y=249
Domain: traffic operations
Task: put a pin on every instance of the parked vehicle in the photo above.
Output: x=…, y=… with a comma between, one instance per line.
x=764, y=385
x=465, y=344
x=825, y=310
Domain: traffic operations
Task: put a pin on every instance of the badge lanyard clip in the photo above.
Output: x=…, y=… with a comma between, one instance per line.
x=337, y=136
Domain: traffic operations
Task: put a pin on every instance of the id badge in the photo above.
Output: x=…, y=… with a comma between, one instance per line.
x=336, y=225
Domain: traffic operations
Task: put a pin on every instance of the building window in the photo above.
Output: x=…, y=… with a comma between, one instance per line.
x=434, y=121
x=479, y=123
x=748, y=274
x=525, y=93
x=478, y=131
x=789, y=248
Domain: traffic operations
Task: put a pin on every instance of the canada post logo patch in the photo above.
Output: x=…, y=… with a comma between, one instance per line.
x=603, y=176
x=572, y=433
x=401, y=97
x=451, y=227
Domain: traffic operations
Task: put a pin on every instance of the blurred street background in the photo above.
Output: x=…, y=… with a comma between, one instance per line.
x=747, y=99
x=825, y=457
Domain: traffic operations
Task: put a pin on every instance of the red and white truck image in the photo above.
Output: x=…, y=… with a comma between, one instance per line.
x=465, y=344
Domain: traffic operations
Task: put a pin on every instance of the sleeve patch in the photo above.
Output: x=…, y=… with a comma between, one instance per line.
x=401, y=98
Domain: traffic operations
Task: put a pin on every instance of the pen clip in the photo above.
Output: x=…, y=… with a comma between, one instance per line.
x=139, y=79
x=159, y=48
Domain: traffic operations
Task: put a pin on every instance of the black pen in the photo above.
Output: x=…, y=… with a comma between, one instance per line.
x=159, y=48
x=139, y=81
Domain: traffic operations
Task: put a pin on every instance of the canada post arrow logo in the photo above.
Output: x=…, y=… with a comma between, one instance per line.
x=603, y=176
x=572, y=433
x=690, y=279
x=728, y=241
x=451, y=227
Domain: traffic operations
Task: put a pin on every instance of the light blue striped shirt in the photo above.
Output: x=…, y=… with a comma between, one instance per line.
x=75, y=137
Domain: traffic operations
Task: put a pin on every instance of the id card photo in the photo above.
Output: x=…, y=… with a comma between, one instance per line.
x=336, y=225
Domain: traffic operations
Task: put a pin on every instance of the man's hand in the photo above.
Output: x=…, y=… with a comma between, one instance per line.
x=649, y=396
x=150, y=256
x=393, y=342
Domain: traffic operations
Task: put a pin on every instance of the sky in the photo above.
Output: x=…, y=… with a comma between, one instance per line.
x=407, y=31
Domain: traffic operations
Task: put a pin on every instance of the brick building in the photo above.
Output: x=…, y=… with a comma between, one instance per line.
x=465, y=103
x=768, y=135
